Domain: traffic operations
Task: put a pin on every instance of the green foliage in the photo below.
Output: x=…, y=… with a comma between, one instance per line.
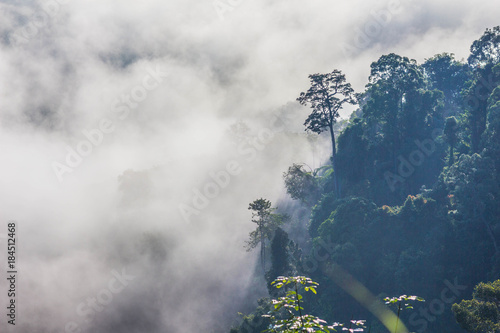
x=287, y=314
x=255, y=322
x=442, y=221
x=402, y=302
x=400, y=109
x=472, y=183
x=321, y=211
x=396, y=73
x=352, y=151
x=388, y=249
x=482, y=313
x=391, y=77
x=450, y=136
x=326, y=96
x=476, y=93
x=488, y=291
x=349, y=219
x=491, y=136
x=301, y=184
x=280, y=259
x=449, y=76
x=267, y=222
x=486, y=49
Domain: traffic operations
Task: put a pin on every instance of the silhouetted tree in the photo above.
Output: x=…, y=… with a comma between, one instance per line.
x=484, y=55
x=492, y=132
x=326, y=96
x=471, y=180
x=301, y=184
x=267, y=222
x=476, y=96
x=481, y=313
x=448, y=75
x=280, y=260
x=486, y=50
x=393, y=81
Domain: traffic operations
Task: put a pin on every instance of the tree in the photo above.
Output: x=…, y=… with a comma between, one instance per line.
x=352, y=152
x=478, y=90
x=448, y=75
x=267, y=222
x=280, y=259
x=481, y=313
x=400, y=73
x=402, y=302
x=486, y=49
x=450, y=136
x=326, y=96
x=393, y=82
x=492, y=132
x=471, y=181
x=484, y=55
x=301, y=184
x=238, y=132
x=287, y=314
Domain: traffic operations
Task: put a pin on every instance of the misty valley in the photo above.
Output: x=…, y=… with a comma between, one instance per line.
x=232, y=166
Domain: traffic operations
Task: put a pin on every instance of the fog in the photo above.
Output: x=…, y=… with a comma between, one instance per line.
x=122, y=166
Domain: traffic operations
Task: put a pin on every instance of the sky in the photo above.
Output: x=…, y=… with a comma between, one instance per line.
x=135, y=134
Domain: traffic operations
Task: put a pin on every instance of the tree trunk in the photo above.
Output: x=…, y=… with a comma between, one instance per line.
x=480, y=215
x=262, y=249
x=395, y=134
x=336, y=181
x=490, y=233
x=451, y=160
x=394, y=159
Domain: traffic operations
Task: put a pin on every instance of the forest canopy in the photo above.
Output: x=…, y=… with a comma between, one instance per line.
x=410, y=200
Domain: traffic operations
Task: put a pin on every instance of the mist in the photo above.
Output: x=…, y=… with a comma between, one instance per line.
x=123, y=165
